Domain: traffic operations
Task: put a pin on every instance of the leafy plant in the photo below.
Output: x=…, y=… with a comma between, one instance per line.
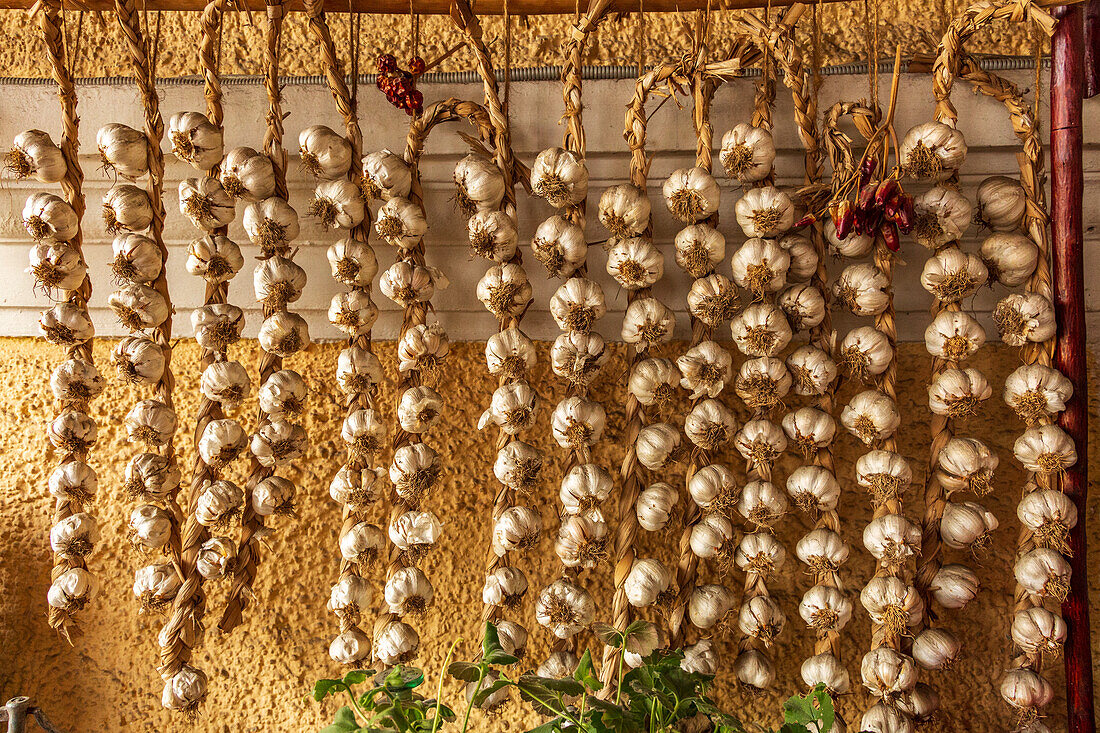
x=391, y=706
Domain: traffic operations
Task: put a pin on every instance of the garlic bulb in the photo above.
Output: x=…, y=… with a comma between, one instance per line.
x=493, y=699
x=518, y=465
x=657, y=445
x=941, y=215
x=123, y=150
x=277, y=443
x=396, y=643
x=1038, y=631
x=195, y=140
x=957, y=393
x=713, y=299
x=221, y=442
x=150, y=527
x=419, y=409
x=635, y=262
x=338, y=204
x=72, y=589
x=1024, y=318
x=361, y=543
x=966, y=464
x=811, y=369
x=74, y=536
x=884, y=473
x=700, y=248
x=512, y=408
x=214, y=258
x=72, y=431
x=803, y=255
x=647, y=582
x=809, y=429
x=324, y=153
x=137, y=258
x=73, y=481
x=871, y=416
x=761, y=442
x=578, y=357
x=50, y=218
x=493, y=235
x=760, y=553
x=932, y=150
x=761, y=618
x=359, y=488
x=1043, y=573
x=867, y=352
x=353, y=312
x=558, y=665
x=517, y=529
x=824, y=608
x=764, y=212
x=248, y=175
x=34, y=155
x=760, y=266
x=954, y=586
x=278, y=281
x=513, y=638
x=414, y=533
x=59, y=265
x=1049, y=515
x=653, y=382
x=423, y=348
x=1026, y=689
x=125, y=207
x=754, y=669
x=283, y=395
x=350, y=647
x=185, y=690
x=138, y=307
x=218, y=504
x=364, y=432
x=892, y=603
x=705, y=369
x=558, y=176
x=855, y=245
x=386, y=175
x=408, y=591
x=217, y=325
x=954, y=336
x=1035, y=391
x=582, y=542
x=150, y=422
x=76, y=380
x=648, y=322
x=762, y=503
x=150, y=477
x=1010, y=258
x=747, y=153
x=271, y=224
x=480, y=184
x=700, y=658
x=709, y=425
x=560, y=246
x=564, y=608
x=577, y=305
x=273, y=496
x=505, y=291
x=713, y=537
x=357, y=370
x=761, y=330
x=936, y=649
x=825, y=669
x=888, y=672
x=504, y=587
x=804, y=306
x=966, y=525
x=863, y=289
x=708, y=605
x=813, y=488
x=691, y=194
x=156, y=585
x=284, y=334
x=714, y=488
x=822, y=550
x=350, y=596
x=624, y=210
x=584, y=488
x=951, y=275
x=401, y=223
x=407, y=283
x=921, y=703
x=205, y=203
x=1045, y=449
x=655, y=505
x=1001, y=203
x=892, y=539
x=884, y=718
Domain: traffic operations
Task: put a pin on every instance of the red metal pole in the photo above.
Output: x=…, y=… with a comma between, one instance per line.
x=1067, y=77
x=1092, y=49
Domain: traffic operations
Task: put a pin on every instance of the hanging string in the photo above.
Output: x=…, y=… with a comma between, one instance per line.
x=815, y=49
x=414, y=29
x=1037, y=108
x=507, y=58
x=640, y=37
x=355, y=23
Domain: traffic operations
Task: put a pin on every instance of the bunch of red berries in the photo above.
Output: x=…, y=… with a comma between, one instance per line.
x=881, y=209
x=399, y=85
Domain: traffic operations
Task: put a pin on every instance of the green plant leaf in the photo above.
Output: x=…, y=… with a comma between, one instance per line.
x=490, y=643
x=565, y=685
x=464, y=671
x=499, y=657
x=609, y=635
x=345, y=717
x=356, y=677
x=481, y=695
x=586, y=672
x=541, y=697
x=641, y=637
x=324, y=688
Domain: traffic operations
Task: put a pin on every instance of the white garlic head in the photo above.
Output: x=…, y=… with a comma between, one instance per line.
x=34, y=155
x=578, y=304
x=825, y=669
x=150, y=477
x=247, y=175
x=954, y=586
x=760, y=266
x=324, y=153
x=138, y=307
x=407, y=283
x=505, y=291
x=396, y=643
x=709, y=605
x=871, y=416
x=754, y=669
x=362, y=543
x=863, y=289
x=72, y=589
x=150, y=422
x=578, y=423
x=214, y=258
x=691, y=194
x=709, y=425
x=337, y=204
x=401, y=223
x=812, y=370
x=1043, y=573
x=386, y=175
x=517, y=529
x=353, y=312
x=408, y=591
x=764, y=212
x=357, y=370
x=195, y=139
x=760, y=553
x=1038, y=630
x=150, y=527
x=512, y=409
x=747, y=153
x=705, y=369
x=1045, y=449
x=185, y=690
x=560, y=177
x=936, y=649
x=274, y=496
x=655, y=505
x=761, y=442
x=493, y=235
x=700, y=248
x=822, y=550
x=560, y=246
x=271, y=224
x=123, y=149
x=657, y=445
x=73, y=481
x=761, y=330
x=854, y=246
x=1035, y=391
x=762, y=619
x=279, y=442
x=350, y=647
x=966, y=464
x=649, y=579
x=205, y=203
x=824, y=608
x=578, y=357
x=951, y=275
x=504, y=587
x=1010, y=258
x=1024, y=318
x=932, y=150
x=804, y=306
x=809, y=429
x=518, y=466
x=365, y=434
x=635, y=262
x=480, y=184
x=714, y=488
x=76, y=380
x=584, y=488
x=75, y=536
x=58, y=265
x=422, y=348
x=564, y=608
x=284, y=334
x=813, y=488
x=50, y=218
x=126, y=208
x=221, y=442
x=73, y=431
x=887, y=672
x=954, y=336
x=713, y=299
x=1001, y=203
x=624, y=210
x=892, y=539
x=415, y=532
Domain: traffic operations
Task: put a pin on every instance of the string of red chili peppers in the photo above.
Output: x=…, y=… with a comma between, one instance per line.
x=399, y=85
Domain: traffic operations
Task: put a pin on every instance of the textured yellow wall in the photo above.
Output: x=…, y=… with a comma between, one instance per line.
x=916, y=24
x=262, y=673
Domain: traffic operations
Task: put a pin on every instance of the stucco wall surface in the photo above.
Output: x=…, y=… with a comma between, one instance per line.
x=262, y=673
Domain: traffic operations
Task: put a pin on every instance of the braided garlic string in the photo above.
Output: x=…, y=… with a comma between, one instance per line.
x=60, y=271
x=272, y=225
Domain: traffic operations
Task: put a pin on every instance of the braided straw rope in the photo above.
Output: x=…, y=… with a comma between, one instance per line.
x=253, y=529
x=50, y=23
x=184, y=626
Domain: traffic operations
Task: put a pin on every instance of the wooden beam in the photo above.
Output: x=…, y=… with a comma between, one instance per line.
x=433, y=7
x=1067, y=86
